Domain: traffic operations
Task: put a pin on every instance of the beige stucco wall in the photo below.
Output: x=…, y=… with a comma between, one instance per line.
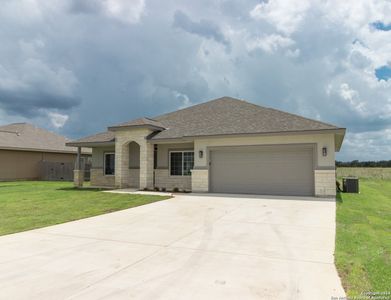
x=16, y=165
x=323, y=186
x=164, y=149
x=97, y=156
x=321, y=140
x=98, y=179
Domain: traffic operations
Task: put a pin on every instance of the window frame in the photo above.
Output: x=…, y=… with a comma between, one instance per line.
x=104, y=163
x=183, y=161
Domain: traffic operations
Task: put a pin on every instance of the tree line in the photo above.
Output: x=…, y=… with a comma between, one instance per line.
x=364, y=164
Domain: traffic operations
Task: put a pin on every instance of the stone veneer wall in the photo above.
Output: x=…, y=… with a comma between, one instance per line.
x=98, y=179
x=78, y=178
x=122, y=171
x=164, y=180
x=200, y=180
x=134, y=178
x=325, y=183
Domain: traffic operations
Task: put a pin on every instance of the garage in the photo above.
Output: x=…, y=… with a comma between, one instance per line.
x=266, y=170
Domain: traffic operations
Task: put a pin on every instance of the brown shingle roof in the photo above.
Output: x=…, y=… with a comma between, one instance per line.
x=221, y=116
x=102, y=137
x=24, y=136
x=232, y=116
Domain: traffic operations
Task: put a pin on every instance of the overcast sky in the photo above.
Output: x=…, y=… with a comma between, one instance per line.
x=78, y=66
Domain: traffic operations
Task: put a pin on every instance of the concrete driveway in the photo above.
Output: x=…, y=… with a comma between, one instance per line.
x=188, y=247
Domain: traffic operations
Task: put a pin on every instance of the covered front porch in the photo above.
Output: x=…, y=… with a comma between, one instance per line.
x=141, y=165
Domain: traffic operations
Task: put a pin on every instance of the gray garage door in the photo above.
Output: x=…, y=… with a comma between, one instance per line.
x=268, y=170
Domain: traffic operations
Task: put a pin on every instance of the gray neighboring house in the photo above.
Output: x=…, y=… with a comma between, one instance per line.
x=225, y=145
x=26, y=151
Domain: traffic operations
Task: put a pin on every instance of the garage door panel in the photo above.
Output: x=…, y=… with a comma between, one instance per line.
x=275, y=170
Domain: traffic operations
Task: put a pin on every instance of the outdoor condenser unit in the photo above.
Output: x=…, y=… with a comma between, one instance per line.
x=350, y=184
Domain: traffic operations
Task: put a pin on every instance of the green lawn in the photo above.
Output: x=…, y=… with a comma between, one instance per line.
x=363, y=242
x=26, y=205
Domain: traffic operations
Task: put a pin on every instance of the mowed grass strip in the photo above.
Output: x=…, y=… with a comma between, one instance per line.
x=363, y=240
x=27, y=205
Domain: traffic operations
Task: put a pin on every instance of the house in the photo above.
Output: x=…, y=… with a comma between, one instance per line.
x=225, y=145
x=26, y=150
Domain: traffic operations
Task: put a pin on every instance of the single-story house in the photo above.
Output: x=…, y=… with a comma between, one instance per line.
x=225, y=145
x=25, y=150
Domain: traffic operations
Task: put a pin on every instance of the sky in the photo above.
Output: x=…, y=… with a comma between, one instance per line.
x=78, y=66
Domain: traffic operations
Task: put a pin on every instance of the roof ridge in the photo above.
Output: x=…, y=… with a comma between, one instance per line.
x=195, y=105
x=148, y=118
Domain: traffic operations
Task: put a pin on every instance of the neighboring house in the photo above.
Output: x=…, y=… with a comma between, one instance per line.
x=27, y=151
x=224, y=146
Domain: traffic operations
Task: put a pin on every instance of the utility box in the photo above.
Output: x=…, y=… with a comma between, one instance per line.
x=350, y=184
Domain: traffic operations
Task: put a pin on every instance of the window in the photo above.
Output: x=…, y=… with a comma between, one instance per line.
x=181, y=162
x=109, y=163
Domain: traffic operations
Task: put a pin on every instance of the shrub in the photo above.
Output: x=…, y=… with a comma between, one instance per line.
x=175, y=190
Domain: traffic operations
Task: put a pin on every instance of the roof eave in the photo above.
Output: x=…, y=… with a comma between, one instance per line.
x=90, y=144
x=296, y=132
x=338, y=138
x=41, y=150
x=153, y=127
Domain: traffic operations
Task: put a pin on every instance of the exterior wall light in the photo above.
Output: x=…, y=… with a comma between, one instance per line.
x=324, y=151
x=200, y=154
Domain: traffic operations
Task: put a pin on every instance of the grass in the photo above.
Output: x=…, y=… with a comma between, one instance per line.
x=363, y=241
x=27, y=205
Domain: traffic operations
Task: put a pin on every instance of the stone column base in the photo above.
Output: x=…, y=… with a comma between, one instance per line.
x=78, y=178
x=325, y=183
x=200, y=180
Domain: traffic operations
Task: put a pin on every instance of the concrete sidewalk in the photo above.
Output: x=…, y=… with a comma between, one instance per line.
x=188, y=247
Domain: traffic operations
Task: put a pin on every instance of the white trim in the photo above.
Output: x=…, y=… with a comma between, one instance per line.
x=183, y=161
x=104, y=163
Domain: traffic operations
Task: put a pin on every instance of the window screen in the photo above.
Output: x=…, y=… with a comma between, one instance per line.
x=109, y=163
x=181, y=162
x=188, y=162
x=176, y=163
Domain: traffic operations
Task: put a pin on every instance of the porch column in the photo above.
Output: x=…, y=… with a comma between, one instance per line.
x=121, y=164
x=78, y=173
x=146, y=165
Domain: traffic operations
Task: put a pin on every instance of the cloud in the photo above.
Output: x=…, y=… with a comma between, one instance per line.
x=29, y=84
x=30, y=103
x=85, y=6
x=58, y=120
x=270, y=43
x=104, y=62
x=183, y=98
x=203, y=28
x=286, y=16
x=122, y=10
